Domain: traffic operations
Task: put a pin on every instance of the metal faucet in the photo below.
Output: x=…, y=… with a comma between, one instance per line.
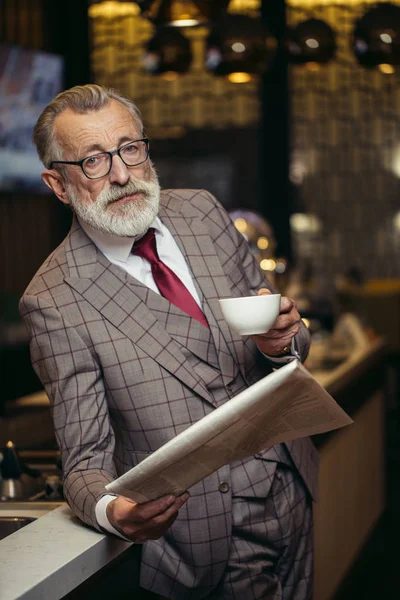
x=10, y=469
x=13, y=473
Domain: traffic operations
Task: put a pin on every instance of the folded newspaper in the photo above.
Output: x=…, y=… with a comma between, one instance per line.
x=285, y=405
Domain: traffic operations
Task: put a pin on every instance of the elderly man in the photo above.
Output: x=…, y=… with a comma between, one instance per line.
x=131, y=347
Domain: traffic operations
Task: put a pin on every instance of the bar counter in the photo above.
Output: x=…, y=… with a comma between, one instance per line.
x=57, y=555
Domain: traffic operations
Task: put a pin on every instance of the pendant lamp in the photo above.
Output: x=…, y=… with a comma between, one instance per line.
x=239, y=47
x=310, y=41
x=376, y=39
x=168, y=53
x=182, y=13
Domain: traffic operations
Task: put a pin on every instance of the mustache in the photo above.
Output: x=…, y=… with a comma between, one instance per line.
x=115, y=193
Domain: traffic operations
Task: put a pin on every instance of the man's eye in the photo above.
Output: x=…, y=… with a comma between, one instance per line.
x=131, y=149
x=92, y=160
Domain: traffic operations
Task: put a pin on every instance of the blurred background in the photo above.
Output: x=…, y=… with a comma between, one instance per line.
x=289, y=112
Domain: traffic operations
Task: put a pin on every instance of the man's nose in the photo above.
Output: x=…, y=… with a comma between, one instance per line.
x=119, y=171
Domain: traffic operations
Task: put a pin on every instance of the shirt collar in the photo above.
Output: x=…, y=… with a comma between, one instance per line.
x=113, y=246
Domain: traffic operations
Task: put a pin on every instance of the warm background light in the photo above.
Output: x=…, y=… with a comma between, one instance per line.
x=309, y=4
x=112, y=8
x=268, y=264
x=241, y=225
x=239, y=77
x=116, y=61
x=262, y=243
x=387, y=69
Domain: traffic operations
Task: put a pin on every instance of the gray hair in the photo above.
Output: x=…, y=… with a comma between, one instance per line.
x=81, y=99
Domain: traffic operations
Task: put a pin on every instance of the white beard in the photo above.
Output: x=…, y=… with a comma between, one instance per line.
x=128, y=220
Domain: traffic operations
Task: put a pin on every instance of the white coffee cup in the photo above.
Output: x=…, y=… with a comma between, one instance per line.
x=250, y=315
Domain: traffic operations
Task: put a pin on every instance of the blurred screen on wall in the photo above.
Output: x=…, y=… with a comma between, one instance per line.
x=29, y=79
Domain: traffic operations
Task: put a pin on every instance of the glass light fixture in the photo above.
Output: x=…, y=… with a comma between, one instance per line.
x=168, y=53
x=182, y=13
x=312, y=41
x=239, y=47
x=110, y=9
x=376, y=39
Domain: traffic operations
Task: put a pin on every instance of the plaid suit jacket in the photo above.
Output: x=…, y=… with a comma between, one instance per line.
x=117, y=362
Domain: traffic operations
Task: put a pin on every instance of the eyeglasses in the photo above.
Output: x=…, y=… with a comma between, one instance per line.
x=99, y=165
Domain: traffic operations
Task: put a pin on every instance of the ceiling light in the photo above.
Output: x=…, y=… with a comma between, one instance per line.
x=311, y=41
x=168, y=53
x=386, y=69
x=111, y=9
x=239, y=77
x=239, y=47
x=376, y=38
x=182, y=13
x=386, y=38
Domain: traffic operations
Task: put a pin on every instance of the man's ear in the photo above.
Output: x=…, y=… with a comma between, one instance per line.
x=55, y=182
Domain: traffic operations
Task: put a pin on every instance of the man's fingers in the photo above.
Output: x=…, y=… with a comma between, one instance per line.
x=283, y=322
x=154, y=532
x=148, y=510
x=283, y=336
x=292, y=329
x=287, y=304
x=168, y=514
x=124, y=510
x=141, y=522
x=156, y=526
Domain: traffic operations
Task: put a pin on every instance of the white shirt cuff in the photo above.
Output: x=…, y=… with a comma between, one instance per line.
x=101, y=516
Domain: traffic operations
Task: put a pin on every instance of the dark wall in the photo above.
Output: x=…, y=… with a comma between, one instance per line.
x=32, y=225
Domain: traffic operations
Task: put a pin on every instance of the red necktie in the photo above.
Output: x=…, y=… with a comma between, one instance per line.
x=169, y=284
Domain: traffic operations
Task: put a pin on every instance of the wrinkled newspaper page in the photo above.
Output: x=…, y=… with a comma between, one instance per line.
x=285, y=405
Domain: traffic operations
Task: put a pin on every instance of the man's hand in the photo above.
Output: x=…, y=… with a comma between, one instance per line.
x=147, y=521
x=287, y=325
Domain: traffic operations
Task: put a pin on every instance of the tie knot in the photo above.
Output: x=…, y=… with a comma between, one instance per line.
x=146, y=247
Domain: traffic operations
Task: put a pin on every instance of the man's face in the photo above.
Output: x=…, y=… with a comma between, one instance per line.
x=125, y=201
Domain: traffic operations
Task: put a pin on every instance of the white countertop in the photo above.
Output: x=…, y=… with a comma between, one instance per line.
x=51, y=556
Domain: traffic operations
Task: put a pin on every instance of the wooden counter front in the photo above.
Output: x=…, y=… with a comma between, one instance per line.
x=352, y=475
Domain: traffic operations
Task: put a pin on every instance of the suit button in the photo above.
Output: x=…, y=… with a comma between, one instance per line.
x=223, y=487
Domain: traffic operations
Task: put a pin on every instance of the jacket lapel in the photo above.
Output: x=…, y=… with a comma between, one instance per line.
x=185, y=330
x=211, y=284
x=112, y=292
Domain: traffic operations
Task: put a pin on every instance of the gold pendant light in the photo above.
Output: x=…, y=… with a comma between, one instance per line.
x=239, y=48
x=109, y=9
x=182, y=13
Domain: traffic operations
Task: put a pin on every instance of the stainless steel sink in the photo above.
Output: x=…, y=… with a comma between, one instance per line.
x=14, y=515
x=36, y=492
x=9, y=525
x=33, y=475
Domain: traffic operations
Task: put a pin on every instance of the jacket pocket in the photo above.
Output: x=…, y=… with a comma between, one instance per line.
x=252, y=477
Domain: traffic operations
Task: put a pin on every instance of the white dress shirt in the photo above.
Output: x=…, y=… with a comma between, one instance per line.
x=118, y=251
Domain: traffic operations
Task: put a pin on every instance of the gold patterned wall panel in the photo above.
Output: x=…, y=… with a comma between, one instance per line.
x=22, y=23
x=196, y=100
x=345, y=123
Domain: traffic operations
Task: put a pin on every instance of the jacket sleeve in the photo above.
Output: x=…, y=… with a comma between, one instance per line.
x=221, y=225
x=73, y=382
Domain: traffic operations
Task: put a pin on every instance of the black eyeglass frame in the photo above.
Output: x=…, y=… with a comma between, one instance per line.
x=79, y=163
